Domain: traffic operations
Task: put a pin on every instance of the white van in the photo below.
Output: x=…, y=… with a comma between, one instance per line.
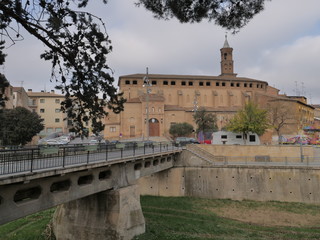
x=230, y=138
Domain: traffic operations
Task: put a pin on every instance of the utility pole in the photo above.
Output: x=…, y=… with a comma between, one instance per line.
x=147, y=84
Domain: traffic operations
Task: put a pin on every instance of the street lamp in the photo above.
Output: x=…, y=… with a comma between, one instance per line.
x=147, y=85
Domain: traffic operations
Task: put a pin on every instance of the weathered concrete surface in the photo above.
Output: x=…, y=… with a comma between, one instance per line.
x=109, y=215
x=259, y=183
x=274, y=151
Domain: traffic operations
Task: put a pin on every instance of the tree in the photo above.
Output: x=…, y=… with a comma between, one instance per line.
x=280, y=115
x=77, y=44
x=206, y=122
x=229, y=14
x=181, y=129
x=249, y=119
x=19, y=126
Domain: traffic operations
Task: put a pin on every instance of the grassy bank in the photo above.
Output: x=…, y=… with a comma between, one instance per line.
x=193, y=218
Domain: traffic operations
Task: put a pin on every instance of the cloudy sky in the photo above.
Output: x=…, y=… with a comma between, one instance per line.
x=281, y=45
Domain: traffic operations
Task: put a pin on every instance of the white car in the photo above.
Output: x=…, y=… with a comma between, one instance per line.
x=55, y=142
x=64, y=139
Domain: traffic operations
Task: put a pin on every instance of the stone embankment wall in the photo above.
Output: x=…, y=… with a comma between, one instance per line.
x=193, y=175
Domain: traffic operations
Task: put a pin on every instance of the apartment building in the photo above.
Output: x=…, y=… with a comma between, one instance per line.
x=47, y=105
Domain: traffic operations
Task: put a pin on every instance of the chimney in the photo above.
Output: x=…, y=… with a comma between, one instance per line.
x=42, y=90
x=52, y=91
x=29, y=90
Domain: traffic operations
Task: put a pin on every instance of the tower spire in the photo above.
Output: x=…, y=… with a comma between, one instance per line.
x=226, y=44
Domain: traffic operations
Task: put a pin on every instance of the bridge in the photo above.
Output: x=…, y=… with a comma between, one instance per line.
x=95, y=184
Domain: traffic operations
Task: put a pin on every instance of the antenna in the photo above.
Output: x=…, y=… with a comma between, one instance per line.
x=303, y=93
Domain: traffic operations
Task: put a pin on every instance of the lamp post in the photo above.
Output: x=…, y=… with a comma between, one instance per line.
x=147, y=85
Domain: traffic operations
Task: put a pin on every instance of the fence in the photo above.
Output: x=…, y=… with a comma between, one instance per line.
x=61, y=156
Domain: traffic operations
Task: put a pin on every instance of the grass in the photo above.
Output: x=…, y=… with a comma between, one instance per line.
x=189, y=218
x=32, y=227
x=184, y=218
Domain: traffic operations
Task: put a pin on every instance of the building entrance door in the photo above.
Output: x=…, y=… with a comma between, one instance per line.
x=132, y=131
x=154, y=128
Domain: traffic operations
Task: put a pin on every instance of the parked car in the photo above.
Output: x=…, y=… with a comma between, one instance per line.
x=182, y=141
x=55, y=142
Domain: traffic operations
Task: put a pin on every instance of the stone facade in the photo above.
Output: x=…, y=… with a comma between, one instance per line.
x=174, y=98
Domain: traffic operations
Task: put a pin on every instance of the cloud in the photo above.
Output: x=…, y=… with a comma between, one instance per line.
x=280, y=46
x=293, y=68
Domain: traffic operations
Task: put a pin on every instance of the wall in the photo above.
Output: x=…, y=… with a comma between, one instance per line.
x=263, y=183
x=274, y=151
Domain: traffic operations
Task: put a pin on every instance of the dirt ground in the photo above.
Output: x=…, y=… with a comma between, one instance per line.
x=268, y=216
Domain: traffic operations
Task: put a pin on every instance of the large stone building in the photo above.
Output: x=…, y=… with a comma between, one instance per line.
x=174, y=98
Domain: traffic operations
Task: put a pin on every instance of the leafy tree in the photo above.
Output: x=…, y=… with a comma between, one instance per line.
x=280, y=115
x=19, y=126
x=206, y=122
x=77, y=44
x=181, y=129
x=249, y=119
x=230, y=14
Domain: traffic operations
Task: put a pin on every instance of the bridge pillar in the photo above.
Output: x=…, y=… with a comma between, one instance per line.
x=109, y=215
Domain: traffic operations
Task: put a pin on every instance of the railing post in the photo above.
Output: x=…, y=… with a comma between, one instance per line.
x=64, y=157
x=144, y=149
x=107, y=152
x=88, y=153
x=160, y=147
x=31, y=167
x=121, y=153
x=134, y=149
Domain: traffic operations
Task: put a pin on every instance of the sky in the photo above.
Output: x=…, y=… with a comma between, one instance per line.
x=281, y=46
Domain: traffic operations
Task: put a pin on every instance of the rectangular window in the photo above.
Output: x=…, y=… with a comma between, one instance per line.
x=173, y=83
x=57, y=120
x=134, y=82
x=49, y=130
x=190, y=83
x=245, y=85
x=112, y=129
x=250, y=85
x=224, y=136
x=217, y=84
x=208, y=84
x=165, y=82
x=57, y=110
x=252, y=138
x=238, y=136
x=183, y=83
x=238, y=84
x=223, y=84
x=57, y=101
x=232, y=84
x=41, y=110
x=127, y=82
x=42, y=100
x=154, y=82
x=200, y=83
x=58, y=129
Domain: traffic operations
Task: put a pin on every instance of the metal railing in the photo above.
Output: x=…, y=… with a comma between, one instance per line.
x=61, y=156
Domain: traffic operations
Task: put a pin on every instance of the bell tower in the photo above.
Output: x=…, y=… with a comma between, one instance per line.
x=226, y=59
